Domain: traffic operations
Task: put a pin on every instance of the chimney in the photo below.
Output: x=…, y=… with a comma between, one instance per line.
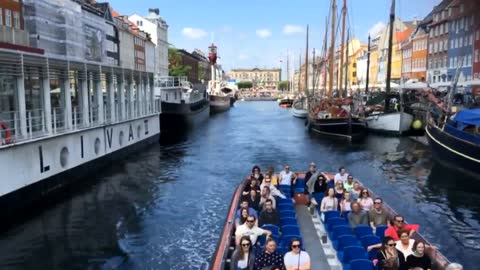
x=415, y=22
x=154, y=11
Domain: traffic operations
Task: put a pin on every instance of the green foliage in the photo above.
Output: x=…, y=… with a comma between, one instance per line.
x=242, y=85
x=283, y=85
x=175, y=67
x=201, y=71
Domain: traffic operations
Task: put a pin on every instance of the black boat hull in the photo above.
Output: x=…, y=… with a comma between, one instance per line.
x=175, y=117
x=219, y=104
x=352, y=129
x=454, y=152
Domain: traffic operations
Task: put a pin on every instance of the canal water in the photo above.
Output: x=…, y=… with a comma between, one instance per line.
x=164, y=207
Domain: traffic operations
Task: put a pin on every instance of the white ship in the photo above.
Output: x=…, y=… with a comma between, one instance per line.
x=67, y=102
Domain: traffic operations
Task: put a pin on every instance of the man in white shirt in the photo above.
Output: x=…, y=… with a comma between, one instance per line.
x=341, y=175
x=267, y=182
x=286, y=177
x=251, y=230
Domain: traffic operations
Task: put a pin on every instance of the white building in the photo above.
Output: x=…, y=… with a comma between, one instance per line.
x=362, y=68
x=154, y=25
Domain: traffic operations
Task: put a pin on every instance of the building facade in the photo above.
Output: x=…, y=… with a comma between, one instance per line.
x=188, y=59
x=438, y=43
x=406, y=59
x=476, y=48
x=157, y=28
x=460, y=51
x=419, y=43
x=12, y=23
x=267, y=78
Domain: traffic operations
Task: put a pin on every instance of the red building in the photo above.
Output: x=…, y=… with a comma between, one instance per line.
x=476, y=49
x=11, y=13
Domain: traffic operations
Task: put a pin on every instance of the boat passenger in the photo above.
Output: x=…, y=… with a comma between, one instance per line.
x=251, y=211
x=454, y=266
x=320, y=185
x=256, y=174
x=249, y=228
x=267, y=182
x=405, y=244
x=341, y=175
x=269, y=215
x=242, y=218
x=397, y=224
x=288, y=178
x=329, y=202
x=345, y=203
x=310, y=175
x=348, y=186
x=418, y=258
x=378, y=216
x=339, y=191
x=265, y=196
x=366, y=202
x=271, y=173
x=243, y=257
x=270, y=258
x=253, y=184
x=357, y=216
x=254, y=200
x=356, y=191
x=296, y=259
x=389, y=258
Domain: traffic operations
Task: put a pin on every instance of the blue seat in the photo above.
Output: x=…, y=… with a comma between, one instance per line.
x=285, y=189
x=287, y=213
x=345, y=241
x=300, y=183
x=318, y=197
x=273, y=228
x=339, y=231
x=380, y=231
x=353, y=253
x=285, y=201
x=330, y=214
x=345, y=215
x=362, y=230
x=286, y=206
x=299, y=190
x=286, y=239
x=361, y=264
x=370, y=240
x=290, y=230
x=335, y=222
x=263, y=238
x=288, y=221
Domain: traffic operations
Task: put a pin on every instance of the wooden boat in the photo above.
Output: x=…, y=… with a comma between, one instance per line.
x=332, y=118
x=316, y=240
x=300, y=108
x=285, y=102
x=456, y=141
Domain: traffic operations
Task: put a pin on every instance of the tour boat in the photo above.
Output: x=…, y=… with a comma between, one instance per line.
x=317, y=232
x=285, y=102
x=300, y=108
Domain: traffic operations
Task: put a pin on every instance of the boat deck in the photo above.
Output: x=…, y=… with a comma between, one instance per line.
x=312, y=239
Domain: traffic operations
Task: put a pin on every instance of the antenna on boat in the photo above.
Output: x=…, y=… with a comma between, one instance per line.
x=389, y=59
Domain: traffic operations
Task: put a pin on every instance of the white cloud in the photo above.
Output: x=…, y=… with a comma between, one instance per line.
x=376, y=28
x=194, y=33
x=226, y=29
x=292, y=29
x=263, y=33
x=242, y=57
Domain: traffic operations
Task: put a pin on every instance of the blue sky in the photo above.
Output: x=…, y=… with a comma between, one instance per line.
x=257, y=33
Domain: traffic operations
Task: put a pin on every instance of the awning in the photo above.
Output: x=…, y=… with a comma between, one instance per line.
x=468, y=117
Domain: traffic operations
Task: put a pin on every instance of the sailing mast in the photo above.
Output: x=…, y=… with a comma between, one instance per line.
x=389, y=59
x=368, y=66
x=324, y=61
x=344, y=14
x=306, y=67
x=288, y=73
x=313, y=70
x=299, y=71
x=332, y=49
x=346, y=67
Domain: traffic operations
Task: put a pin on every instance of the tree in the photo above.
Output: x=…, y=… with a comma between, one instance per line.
x=283, y=85
x=201, y=71
x=242, y=85
x=175, y=66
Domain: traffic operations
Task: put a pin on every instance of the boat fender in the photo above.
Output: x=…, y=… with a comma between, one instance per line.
x=8, y=134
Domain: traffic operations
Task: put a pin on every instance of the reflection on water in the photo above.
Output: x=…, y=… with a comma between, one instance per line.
x=164, y=207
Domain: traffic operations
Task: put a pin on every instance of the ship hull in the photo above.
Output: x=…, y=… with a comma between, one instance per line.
x=352, y=129
x=40, y=171
x=176, y=117
x=219, y=104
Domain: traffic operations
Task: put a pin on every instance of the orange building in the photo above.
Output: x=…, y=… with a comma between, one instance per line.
x=406, y=47
x=419, y=41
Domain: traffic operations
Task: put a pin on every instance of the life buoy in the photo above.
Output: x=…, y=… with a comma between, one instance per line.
x=8, y=133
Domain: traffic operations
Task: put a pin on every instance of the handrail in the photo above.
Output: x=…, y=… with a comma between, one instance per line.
x=218, y=258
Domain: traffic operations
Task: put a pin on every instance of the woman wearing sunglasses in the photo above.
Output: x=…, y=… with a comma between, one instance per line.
x=243, y=257
x=296, y=259
x=389, y=257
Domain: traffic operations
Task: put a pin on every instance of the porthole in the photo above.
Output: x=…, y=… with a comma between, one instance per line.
x=64, y=157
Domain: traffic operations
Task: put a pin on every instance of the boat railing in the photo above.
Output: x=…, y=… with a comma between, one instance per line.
x=173, y=82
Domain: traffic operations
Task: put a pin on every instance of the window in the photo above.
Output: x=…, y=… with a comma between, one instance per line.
x=478, y=35
x=470, y=41
x=469, y=60
x=1, y=16
x=140, y=23
x=447, y=26
x=477, y=59
x=445, y=45
x=456, y=43
x=451, y=44
x=462, y=23
x=449, y=12
x=462, y=8
x=16, y=19
x=430, y=48
x=460, y=44
x=8, y=17
x=441, y=29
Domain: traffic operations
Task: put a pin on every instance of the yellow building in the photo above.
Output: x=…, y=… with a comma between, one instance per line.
x=373, y=67
x=268, y=78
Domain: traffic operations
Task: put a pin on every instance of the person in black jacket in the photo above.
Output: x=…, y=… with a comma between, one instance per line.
x=269, y=215
x=389, y=257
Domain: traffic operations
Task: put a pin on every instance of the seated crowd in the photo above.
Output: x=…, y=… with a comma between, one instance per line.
x=258, y=215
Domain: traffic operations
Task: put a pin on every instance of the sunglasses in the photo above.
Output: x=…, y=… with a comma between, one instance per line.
x=391, y=245
x=399, y=220
x=246, y=244
x=364, y=192
x=377, y=203
x=295, y=246
x=250, y=221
